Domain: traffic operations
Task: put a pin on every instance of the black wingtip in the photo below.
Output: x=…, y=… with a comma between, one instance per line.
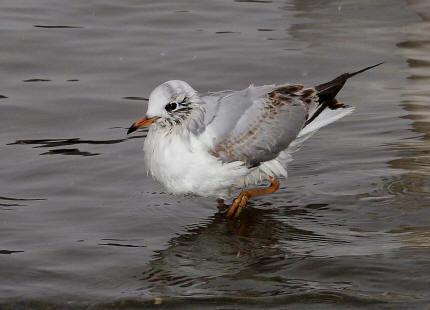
x=365, y=69
x=329, y=90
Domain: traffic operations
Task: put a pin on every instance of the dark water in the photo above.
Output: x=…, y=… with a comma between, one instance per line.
x=83, y=226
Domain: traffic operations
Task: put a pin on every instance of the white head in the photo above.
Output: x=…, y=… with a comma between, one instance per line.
x=171, y=102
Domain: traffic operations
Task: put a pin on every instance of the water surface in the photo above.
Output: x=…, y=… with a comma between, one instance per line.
x=83, y=226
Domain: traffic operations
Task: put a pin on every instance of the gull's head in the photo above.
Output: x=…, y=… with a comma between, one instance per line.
x=171, y=102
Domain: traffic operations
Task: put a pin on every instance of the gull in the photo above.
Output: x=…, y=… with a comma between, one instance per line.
x=218, y=143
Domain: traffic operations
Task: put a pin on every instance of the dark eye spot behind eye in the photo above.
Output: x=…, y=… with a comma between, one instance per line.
x=170, y=106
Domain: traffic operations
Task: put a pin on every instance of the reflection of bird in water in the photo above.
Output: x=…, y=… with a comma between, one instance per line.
x=214, y=144
x=250, y=257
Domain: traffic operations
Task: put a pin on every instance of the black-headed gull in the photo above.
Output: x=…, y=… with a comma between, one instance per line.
x=211, y=145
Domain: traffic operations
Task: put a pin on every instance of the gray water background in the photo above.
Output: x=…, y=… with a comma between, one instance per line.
x=83, y=226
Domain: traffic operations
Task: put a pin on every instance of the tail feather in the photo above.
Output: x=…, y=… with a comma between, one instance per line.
x=326, y=117
x=327, y=92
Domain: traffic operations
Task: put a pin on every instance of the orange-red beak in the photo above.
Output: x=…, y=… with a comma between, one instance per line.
x=144, y=121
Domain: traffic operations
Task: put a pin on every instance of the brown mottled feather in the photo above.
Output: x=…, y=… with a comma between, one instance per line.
x=278, y=118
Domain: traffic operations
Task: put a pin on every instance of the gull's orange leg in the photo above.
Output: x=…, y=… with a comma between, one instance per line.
x=238, y=204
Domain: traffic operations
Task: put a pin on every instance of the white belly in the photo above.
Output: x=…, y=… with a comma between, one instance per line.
x=183, y=165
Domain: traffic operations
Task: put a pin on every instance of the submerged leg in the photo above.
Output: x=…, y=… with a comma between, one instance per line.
x=220, y=204
x=238, y=204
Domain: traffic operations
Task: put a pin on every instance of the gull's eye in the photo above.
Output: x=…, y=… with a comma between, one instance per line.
x=170, y=106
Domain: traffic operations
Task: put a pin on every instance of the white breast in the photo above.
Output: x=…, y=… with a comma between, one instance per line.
x=176, y=158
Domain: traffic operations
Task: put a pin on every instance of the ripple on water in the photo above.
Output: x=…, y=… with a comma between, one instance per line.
x=55, y=143
x=263, y=254
x=348, y=229
x=7, y=203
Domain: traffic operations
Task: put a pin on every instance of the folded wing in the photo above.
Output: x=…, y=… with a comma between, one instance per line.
x=256, y=124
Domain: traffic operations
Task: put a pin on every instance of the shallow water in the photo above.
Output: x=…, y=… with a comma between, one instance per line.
x=82, y=225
